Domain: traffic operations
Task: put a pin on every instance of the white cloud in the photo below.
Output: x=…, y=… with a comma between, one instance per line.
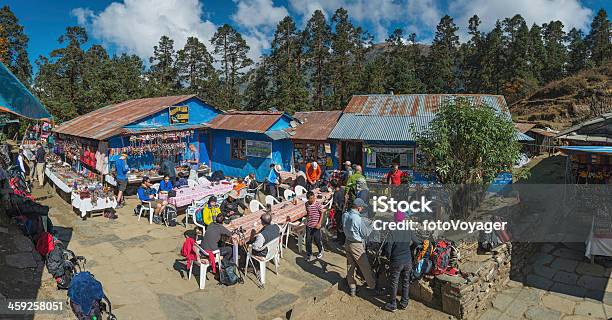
x=258, y=13
x=135, y=26
x=571, y=12
x=257, y=20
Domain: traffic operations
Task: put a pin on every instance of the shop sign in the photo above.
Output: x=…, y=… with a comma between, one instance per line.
x=179, y=114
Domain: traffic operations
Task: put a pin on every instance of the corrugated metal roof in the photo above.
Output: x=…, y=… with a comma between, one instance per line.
x=602, y=118
x=316, y=125
x=523, y=137
x=106, y=122
x=415, y=104
x=524, y=126
x=255, y=121
x=399, y=117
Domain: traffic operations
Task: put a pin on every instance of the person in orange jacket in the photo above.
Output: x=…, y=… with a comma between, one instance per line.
x=313, y=174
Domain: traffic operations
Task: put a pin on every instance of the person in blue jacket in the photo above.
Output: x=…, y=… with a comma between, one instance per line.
x=121, y=169
x=166, y=184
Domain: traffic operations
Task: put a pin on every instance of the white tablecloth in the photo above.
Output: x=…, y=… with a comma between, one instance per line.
x=598, y=246
x=57, y=181
x=85, y=205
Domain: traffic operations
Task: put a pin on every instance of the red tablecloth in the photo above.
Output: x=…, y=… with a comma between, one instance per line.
x=281, y=213
x=185, y=196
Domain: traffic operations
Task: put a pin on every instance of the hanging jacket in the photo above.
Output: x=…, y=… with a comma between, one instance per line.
x=188, y=252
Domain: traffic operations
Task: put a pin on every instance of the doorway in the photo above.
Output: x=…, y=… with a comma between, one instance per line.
x=353, y=152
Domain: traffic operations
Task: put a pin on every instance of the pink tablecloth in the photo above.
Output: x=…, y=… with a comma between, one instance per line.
x=184, y=196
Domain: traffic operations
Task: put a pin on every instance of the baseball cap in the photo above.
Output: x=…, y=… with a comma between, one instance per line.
x=359, y=203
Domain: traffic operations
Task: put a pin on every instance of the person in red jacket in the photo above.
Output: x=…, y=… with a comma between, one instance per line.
x=394, y=177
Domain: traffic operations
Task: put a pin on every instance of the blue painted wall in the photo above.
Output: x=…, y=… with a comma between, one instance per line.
x=221, y=160
x=199, y=112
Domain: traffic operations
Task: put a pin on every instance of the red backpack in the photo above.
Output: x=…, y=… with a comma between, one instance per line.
x=45, y=243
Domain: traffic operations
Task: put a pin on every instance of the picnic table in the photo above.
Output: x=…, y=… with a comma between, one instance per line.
x=186, y=195
x=282, y=213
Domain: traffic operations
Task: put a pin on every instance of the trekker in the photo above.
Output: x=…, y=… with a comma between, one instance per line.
x=193, y=161
x=147, y=193
x=399, y=251
x=300, y=180
x=212, y=237
x=395, y=175
x=211, y=211
x=168, y=168
x=274, y=179
x=313, y=174
x=251, y=181
x=121, y=169
x=40, y=164
x=348, y=171
x=355, y=185
x=239, y=184
x=166, y=184
x=21, y=162
x=314, y=218
x=229, y=207
x=356, y=231
x=269, y=232
x=338, y=207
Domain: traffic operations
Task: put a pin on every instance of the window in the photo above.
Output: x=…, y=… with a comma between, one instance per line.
x=385, y=157
x=238, y=149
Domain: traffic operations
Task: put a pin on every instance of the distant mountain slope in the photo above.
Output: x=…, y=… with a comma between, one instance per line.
x=568, y=101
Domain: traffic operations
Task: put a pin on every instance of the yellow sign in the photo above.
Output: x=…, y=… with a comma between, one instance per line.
x=179, y=114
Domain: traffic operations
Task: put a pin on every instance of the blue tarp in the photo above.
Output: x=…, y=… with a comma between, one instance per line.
x=523, y=137
x=17, y=99
x=587, y=149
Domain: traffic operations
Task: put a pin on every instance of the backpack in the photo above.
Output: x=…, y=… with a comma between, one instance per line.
x=217, y=176
x=46, y=243
x=169, y=216
x=423, y=263
x=441, y=257
x=229, y=274
x=94, y=313
x=86, y=293
x=62, y=265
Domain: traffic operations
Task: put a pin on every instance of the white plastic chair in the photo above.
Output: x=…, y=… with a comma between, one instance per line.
x=191, y=210
x=300, y=191
x=192, y=183
x=255, y=206
x=283, y=231
x=204, y=264
x=252, y=193
x=146, y=206
x=273, y=254
x=271, y=200
x=289, y=194
x=298, y=229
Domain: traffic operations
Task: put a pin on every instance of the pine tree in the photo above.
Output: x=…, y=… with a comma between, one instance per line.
x=163, y=72
x=318, y=46
x=442, y=64
x=556, y=56
x=285, y=60
x=15, y=43
x=375, y=80
x=598, y=40
x=231, y=51
x=577, y=55
x=516, y=43
x=346, y=59
x=471, y=56
x=492, y=61
x=257, y=92
x=195, y=69
x=401, y=69
x=536, y=53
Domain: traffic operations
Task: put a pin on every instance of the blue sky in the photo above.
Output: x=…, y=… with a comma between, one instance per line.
x=134, y=26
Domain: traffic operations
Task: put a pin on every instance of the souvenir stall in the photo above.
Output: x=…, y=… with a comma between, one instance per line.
x=72, y=167
x=147, y=151
x=589, y=171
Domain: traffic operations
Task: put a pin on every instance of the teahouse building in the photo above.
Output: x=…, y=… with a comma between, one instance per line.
x=310, y=139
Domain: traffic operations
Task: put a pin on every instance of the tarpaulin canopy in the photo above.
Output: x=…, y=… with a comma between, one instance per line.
x=587, y=149
x=17, y=99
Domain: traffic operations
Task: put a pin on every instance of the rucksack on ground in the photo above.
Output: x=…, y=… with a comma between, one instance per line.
x=229, y=274
x=62, y=264
x=441, y=258
x=169, y=216
x=46, y=243
x=87, y=299
x=422, y=260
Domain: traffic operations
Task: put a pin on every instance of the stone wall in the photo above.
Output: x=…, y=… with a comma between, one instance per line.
x=466, y=296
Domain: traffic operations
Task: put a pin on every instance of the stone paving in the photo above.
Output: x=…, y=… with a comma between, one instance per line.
x=561, y=285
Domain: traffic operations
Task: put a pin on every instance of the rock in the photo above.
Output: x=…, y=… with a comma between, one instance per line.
x=491, y=314
x=591, y=309
x=558, y=303
x=518, y=309
x=565, y=277
x=569, y=254
x=547, y=248
x=538, y=282
x=541, y=313
x=23, y=244
x=564, y=264
x=591, y=269
x=572, y=291
x=593, y=283
x=542, y=258
x=544, y=271
x=21, y=260
x=502, y=301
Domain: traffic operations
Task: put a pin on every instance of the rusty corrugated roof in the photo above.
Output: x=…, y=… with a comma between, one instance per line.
x=316, y=125
x=524, y=126
x=106, y=122
x=415, y=104
x=247, y=121
x=386, y=117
